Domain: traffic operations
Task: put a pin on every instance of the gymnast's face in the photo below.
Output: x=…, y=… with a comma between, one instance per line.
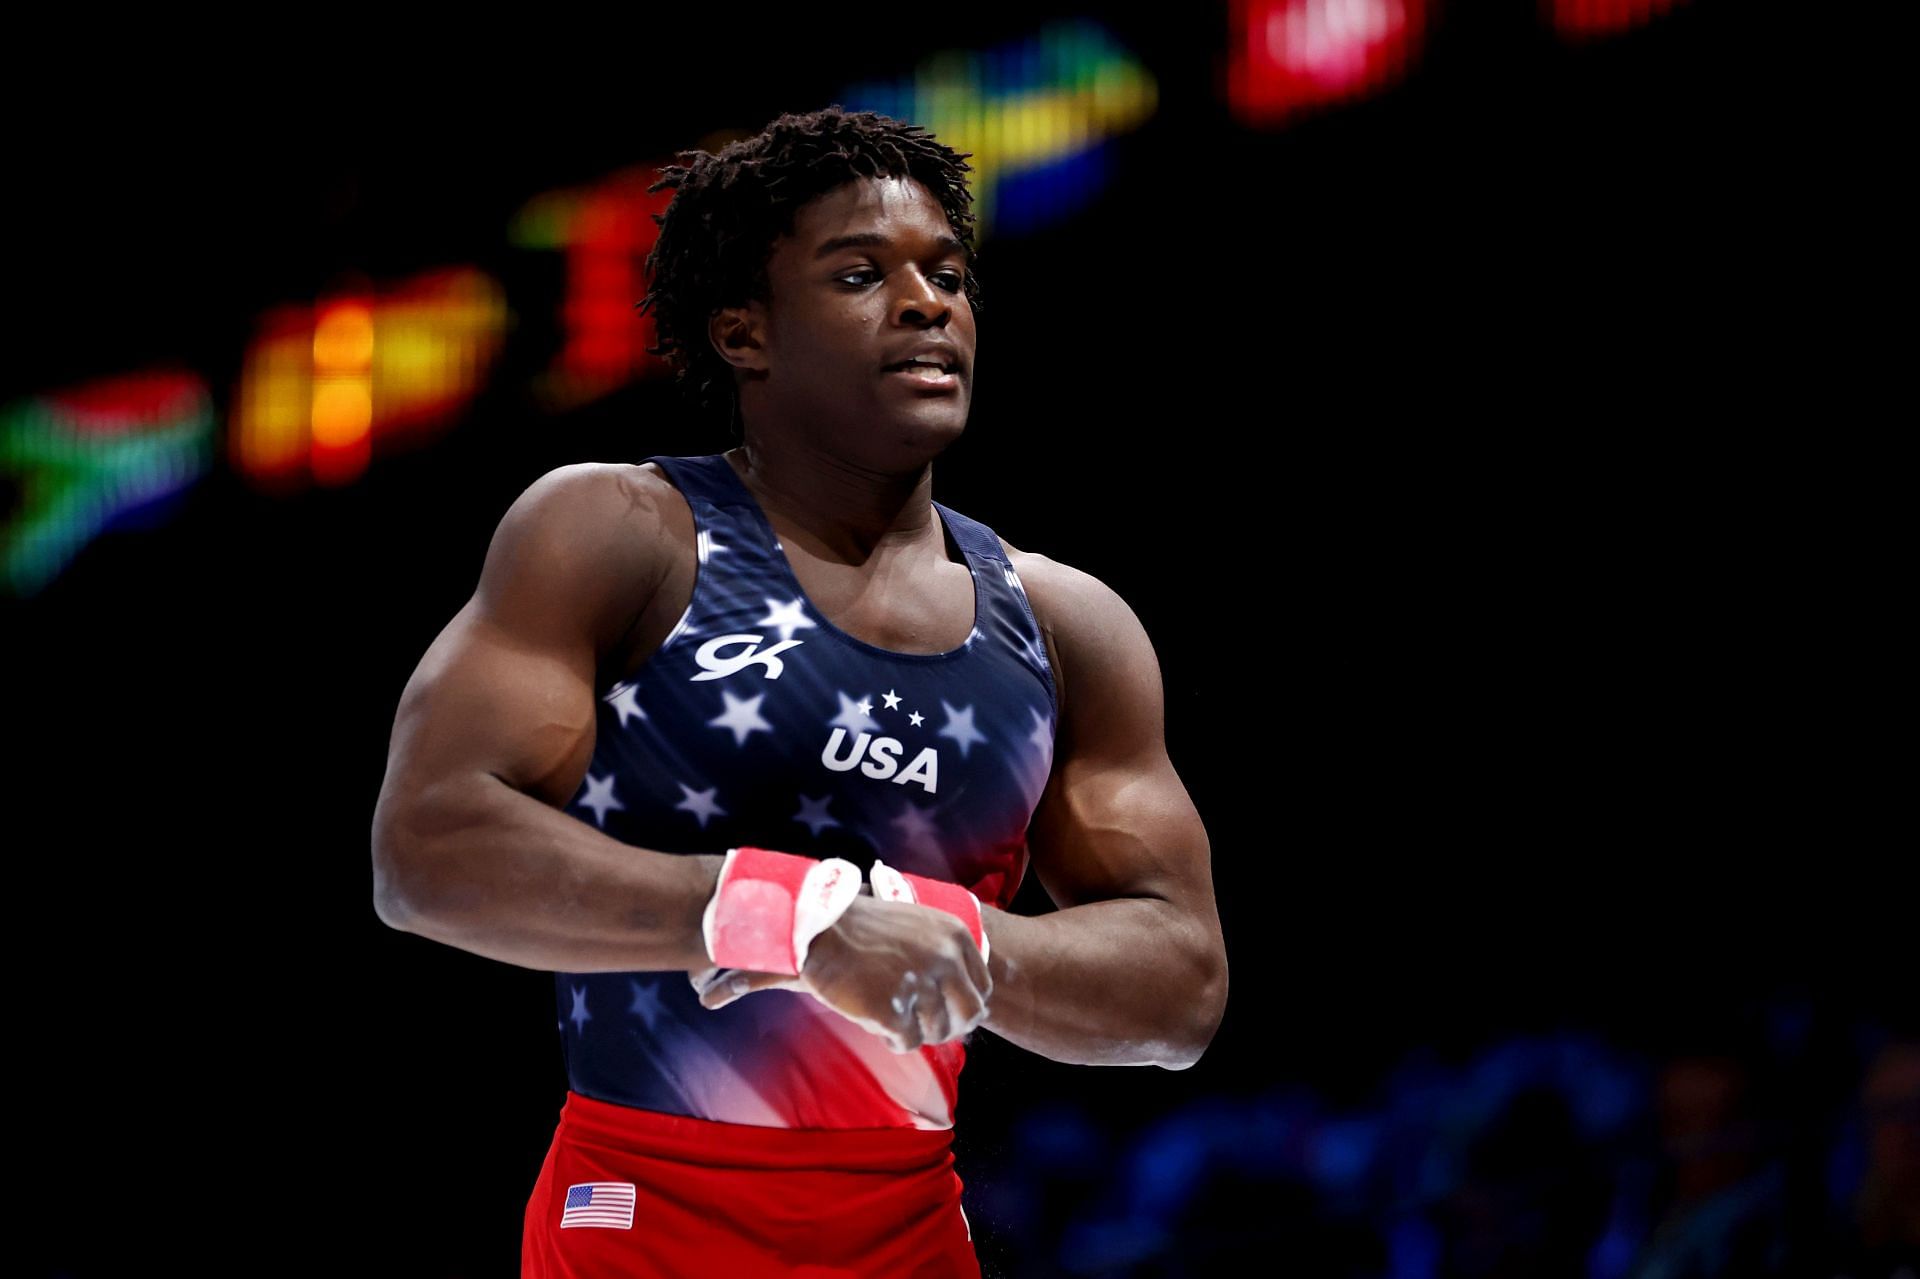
x=871, y=272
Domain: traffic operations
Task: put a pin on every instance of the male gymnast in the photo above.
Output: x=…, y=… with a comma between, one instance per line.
x=752, y=750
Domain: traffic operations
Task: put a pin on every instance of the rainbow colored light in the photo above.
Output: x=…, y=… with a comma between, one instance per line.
x=113, y=453
x=1039, y=118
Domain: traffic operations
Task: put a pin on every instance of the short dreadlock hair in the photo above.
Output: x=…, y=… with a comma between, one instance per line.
x=728, y=208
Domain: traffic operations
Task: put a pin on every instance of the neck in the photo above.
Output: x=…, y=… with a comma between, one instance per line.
x=849, y=509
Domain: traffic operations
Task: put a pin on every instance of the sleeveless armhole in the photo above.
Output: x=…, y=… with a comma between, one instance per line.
x=979, y=540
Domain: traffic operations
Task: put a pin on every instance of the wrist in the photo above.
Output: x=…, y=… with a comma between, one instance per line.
x=893, y=885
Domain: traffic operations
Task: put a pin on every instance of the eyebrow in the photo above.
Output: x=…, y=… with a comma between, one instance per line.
x=864, y=239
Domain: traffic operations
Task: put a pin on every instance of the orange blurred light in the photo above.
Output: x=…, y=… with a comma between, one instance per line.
x=343, y=339
x=342, y=412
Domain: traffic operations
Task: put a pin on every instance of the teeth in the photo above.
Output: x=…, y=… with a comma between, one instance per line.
x=925, y=370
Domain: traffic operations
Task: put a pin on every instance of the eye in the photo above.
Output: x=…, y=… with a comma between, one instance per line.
x=952, y=281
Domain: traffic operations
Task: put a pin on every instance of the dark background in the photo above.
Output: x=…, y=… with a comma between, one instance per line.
x=1470, y=454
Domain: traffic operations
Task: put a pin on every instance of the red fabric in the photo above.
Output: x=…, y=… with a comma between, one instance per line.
x=951, y=898
x=740, y=1201
x=753, y=910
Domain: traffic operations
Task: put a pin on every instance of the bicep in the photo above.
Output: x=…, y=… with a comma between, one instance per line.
x=508, y=686
x=1115, y=819
x=486, y=700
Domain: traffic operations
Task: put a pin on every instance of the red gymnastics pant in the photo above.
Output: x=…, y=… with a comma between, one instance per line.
x=627, y=1193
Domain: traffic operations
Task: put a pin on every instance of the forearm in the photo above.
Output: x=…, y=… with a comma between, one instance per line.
x=1124, y=982
x=492, y=870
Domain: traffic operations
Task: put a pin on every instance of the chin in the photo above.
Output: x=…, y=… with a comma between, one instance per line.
x=928, y=439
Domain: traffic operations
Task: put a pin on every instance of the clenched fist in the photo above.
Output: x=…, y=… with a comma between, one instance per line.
x=908, y=973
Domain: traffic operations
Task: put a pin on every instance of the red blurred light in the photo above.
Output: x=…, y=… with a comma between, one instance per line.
x=1290, y=55
x=1580, y=19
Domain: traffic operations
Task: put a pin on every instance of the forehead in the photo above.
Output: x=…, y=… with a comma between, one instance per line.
x=899, y=208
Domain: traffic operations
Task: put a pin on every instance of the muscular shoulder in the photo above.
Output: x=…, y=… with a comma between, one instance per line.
x=587, y=542
x=1085, y=622
x=1058, y=591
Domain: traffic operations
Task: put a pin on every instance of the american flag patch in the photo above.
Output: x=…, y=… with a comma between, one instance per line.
x=599, y=1203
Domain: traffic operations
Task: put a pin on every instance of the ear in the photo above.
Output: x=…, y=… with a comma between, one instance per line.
x=735, y=332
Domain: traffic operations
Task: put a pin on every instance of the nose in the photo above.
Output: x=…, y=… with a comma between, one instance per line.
x=920, y=301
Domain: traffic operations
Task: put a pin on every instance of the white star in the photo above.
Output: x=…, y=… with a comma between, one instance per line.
x=706, y=545
x=646, y=1002
x=892, y=701
x=700, y=803
x=742, y=716
x=580, y=1016
x=915, y=718
x=960, y=727
x=866, y=707
x=853, y=716
x=813, y=813
x=789, y=617
x=621, y=698
x=1042, y=734
x=599, y=798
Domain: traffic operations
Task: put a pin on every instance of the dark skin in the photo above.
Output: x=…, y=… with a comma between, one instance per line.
x=496, y=727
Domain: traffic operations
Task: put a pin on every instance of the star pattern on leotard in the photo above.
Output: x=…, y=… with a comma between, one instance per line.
x=1042, y=734
x=742, y=716
x=700, y=803
x=622, y=698
x=917, y=833
x=855, y=717
x=813, y=813
x=788, y=617
x=960, y=727
x=646, y=1003
x=600, y=798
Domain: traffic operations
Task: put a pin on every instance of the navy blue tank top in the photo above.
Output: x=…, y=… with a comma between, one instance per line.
x=757, y=721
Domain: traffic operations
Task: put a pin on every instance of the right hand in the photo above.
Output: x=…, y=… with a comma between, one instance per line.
x=908, y=973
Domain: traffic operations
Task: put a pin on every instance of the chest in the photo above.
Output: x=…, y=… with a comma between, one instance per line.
x=901, y=604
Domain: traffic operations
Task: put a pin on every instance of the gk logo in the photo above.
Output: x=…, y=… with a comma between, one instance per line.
x=718, y=667
x=883, y=757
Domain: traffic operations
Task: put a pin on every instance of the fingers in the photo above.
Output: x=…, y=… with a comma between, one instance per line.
x=936, y=1017
x=931, y=1011
x=906, y=1032
x=719, y=987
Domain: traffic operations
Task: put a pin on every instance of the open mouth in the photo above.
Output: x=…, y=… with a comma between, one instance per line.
x=926, y=373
